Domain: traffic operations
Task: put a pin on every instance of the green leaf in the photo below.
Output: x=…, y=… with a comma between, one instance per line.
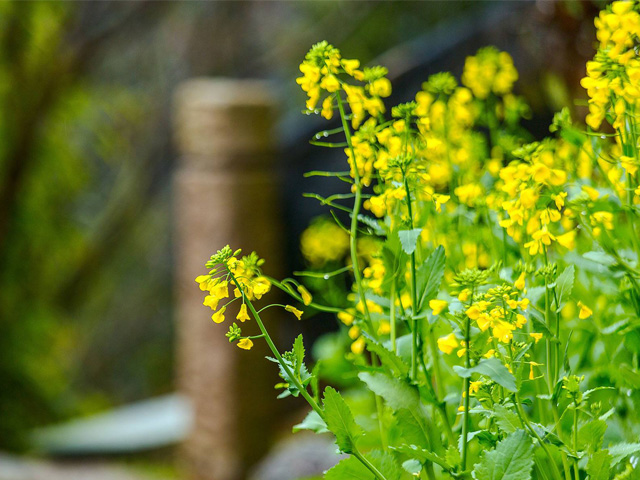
x=601, y=258
x=409, y=239
x=511, y=460
x=312, y=422
x=339, y=420
x=429, y=277
x=411, y=427
x=413, y=466
x=396, y=393
x=564, y=286
x=349, y=469
x=507, y=420
x=492, y=368
x=599, y=465
x=298, y=353
x=591, y=434
x=422, y=455
x=386, y=464
x=621, y=451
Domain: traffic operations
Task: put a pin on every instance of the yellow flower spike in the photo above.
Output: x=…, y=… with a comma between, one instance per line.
x=211, y=302
x=294, y=310
x=448, y=344
x=221, y=290
x=242, y=314
x=438, y=306
x=306, y=296
x=520, y=282
x=218, y=317
x=585, y=312
x=536, y=336
x=245, y=344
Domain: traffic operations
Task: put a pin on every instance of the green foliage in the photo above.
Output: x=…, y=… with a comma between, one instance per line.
x=339, y=420
x=511, y=460
x=492, y=368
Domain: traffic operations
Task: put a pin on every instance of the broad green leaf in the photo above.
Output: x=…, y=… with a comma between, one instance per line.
x=396, y=393
x=599, y=465
x=339, y=420
x=621, y=451
x=409, y=239
x=429, y=276
x=601, y=258
x=312, y=422
x=411, y=427
x=507, y=420
x=512, y=459
x=564, y=286
x=591, y=434
x=492, y=368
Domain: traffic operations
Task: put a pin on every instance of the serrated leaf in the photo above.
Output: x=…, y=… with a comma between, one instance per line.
x=409, y=239
x=591, y=434
x=422, y=455
x=621, y=451
x=512, y=459
x=412, y=466
x=312, y=422
x=411, y=427
x=429, y=277
x=492, y=368
x=599, y=465
x=339, y=420
x=298, y=352
x=372, y=223
x=388, y=358
x=507, y=420
x=348, y=469
x=564, y=286
x=396, y=393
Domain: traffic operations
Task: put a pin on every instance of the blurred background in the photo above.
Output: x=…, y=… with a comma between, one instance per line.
x=87, y=244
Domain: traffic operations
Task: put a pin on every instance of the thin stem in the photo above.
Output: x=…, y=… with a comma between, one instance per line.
x=392, y=315
x=576, y=470
x=276, y=353
x=368, y=464
x=465, y=417
x=525, y=423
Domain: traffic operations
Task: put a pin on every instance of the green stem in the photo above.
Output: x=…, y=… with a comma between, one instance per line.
x=576, y=470
x=392, y=315
x=465, y=417
x=356, y=453
x=528, y=426
x=276, y=353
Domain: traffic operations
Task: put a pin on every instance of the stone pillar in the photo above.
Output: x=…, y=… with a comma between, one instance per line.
x=225, y=192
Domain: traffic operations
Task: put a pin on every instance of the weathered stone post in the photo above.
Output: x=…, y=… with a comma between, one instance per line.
x=224, y=193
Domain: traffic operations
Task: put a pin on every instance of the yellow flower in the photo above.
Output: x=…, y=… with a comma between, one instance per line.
x=490, y=353
x=448, y=344
x=384, y=328
x=211, y=301
x=204, y=281
x=503, y=331
x=242, y=314
x=592, y=192
x=261, y=286
x=536, y=336
x=218, y=317
x=440, y=200
x=567, y=240
x=520, y=283
x=463, y=296
x=474, y=386
x=357, y=347
x=585, y=312
x=306, y=296
x=245, y=344
x=294, y=310
x=220, y=290
x=346, y=318
x=437, y=306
